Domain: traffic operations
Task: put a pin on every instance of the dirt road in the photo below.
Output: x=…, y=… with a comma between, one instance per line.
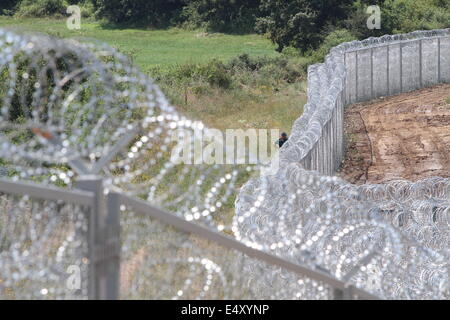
x=405, y=136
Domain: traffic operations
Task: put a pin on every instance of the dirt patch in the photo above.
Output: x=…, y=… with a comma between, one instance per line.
x=405, y=136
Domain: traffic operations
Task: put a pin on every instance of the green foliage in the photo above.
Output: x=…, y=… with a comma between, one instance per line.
x=153, y=13
x=293, y=24
x=272, y=69
x=241, y=71
x=7, y=7
x=212, y=73
x=399, y=16
x=299, y=23
x=331, y=40
x=151, y=48
x=42, y=8
x=221, y=15
x=402, y=16
x=86, y=6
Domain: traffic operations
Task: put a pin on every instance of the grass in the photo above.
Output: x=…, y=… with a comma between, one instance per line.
x=152, y=48
x=261, y=107
x=247, y=106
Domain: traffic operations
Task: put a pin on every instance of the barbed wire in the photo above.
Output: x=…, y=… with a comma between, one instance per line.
x=71, y=108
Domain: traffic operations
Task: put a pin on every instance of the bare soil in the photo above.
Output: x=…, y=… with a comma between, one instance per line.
x=406, y=136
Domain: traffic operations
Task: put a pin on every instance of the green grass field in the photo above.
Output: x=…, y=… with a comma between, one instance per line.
x=152, y=48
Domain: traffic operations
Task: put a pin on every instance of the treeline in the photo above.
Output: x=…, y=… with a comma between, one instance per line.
x=302, y=24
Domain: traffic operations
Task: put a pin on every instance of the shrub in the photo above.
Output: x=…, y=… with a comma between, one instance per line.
x=42, y=8
x=278, y=69
x=244, y=61
x=152, y=13
x=87, y=8
x=263, y=69
x=221, y=15
x=399, y=16
x=8, y=6
x=402, y=16
x=213, y=73
x=333, y=39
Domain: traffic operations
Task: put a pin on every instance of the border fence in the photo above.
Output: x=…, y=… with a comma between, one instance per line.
x=359, y=71
x=96, y=241
x=301, y=201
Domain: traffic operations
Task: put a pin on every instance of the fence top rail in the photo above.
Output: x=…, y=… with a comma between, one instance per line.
x=144, y=208
x=394, y=43
x=38, y=191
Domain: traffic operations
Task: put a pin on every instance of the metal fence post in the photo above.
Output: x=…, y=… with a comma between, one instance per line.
x=420, y=63
x=388, y=89
x=371, y=74
x=344, y=294
x=356, y=75
x=439, y=59
x=401, y=67
x=113, y=246
x=103, y=241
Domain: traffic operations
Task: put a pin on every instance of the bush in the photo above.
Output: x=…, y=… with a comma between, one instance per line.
x=400, y=16
x=42, y=8
x=242, y=71
x=271, y=69
x=213, y=73
x=87, y=8
x=245, y=62
x=154, y=13
x=331, y=40
x=221, y=15
x=8, y=7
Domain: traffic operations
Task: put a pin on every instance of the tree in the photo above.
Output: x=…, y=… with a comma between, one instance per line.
x=153, y=13
x=8, y=6
x=300, y=23
x=222, y=15
x=399, y=16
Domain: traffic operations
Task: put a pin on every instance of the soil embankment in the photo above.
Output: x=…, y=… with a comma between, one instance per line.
x=406, y=136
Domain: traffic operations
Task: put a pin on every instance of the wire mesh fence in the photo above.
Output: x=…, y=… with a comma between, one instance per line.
x=43, y=247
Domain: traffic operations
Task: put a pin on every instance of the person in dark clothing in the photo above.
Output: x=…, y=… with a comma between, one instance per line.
x=282, y=140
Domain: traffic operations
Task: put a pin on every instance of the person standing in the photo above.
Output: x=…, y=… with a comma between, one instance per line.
x=282, y=140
